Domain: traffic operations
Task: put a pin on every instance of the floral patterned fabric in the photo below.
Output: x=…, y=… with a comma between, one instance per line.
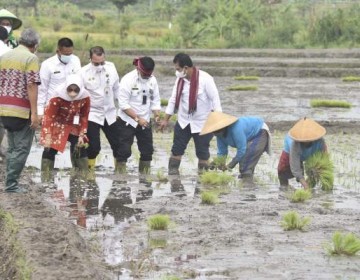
x=60, y=120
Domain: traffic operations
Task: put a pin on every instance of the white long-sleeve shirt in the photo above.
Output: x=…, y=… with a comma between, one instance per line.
x=142, y=95
x=103, y=84
x=3, y=48
x=208, y=100
x=52, y=74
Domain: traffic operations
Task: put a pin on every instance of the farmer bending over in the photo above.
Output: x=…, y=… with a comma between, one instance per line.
x=304, y=139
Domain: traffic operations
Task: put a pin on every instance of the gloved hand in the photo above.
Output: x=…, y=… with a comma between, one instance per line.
x=232, y=163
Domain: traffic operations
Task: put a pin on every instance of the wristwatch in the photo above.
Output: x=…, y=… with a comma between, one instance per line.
x=136, y=119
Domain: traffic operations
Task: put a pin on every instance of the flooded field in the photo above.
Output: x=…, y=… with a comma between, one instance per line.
x=238, y=238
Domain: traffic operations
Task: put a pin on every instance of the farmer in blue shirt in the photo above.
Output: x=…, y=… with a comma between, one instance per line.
x=249, y=135
x=304, y=139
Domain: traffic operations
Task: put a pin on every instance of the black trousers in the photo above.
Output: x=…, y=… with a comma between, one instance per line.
x=80, y=153
x=144, y=137
x=112, y=133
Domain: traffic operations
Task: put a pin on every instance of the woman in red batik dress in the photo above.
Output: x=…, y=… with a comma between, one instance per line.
x=66, y=119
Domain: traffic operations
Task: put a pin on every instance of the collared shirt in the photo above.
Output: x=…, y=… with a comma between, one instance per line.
x=142, y=95
x=18, y=68
x=53, y=73
x=208, y=100
x=238, y=134
x=3, y=48
x=102, y=82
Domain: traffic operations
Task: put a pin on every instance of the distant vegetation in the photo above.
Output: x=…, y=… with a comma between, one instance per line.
x=329, y=103
x=242, y=88
x=351, y=79
x=118, y=24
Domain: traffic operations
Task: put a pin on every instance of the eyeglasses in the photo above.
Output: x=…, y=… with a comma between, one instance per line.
x=98, y=63
x=70, y=89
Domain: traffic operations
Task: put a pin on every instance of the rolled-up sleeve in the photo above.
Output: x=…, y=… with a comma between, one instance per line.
x=295, y=161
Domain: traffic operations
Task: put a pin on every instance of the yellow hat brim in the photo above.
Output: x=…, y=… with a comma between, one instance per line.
x=217, y=121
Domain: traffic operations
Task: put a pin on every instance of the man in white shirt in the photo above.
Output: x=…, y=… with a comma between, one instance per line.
x=194, y=96
x=54, y=70
x=139, y=96
x=3, y=49
x=101, y=79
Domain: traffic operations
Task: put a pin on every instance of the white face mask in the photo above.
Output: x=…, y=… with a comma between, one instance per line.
x=8, y=28
x=180, y=74
x=65, y=58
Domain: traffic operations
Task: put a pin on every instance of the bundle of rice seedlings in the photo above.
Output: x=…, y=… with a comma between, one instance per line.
x=250, y=87
x=246, y=78
x=158, y=222
x=216, y=178
x=329, y=103
x=320, y=170
x=209, y=197
x=351, y=79
x=300, y=195
x=291, y=221
x=342, y=244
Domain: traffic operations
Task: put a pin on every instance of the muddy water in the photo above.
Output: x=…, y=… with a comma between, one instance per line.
x=239, y=238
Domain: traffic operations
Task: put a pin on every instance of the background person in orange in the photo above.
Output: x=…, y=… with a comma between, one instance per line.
x=66, y=119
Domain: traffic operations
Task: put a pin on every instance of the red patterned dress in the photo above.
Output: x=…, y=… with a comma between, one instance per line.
x=62, y=118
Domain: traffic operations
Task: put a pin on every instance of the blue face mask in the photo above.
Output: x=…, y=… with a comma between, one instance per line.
x=65, y=58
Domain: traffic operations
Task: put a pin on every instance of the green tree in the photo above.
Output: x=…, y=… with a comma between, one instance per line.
x=121, y=4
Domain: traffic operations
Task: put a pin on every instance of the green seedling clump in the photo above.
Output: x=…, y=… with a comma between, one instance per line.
x=209, y=197
x=343, y=244
x=219, y=162
x=158, y=222
x=246, y=78
x=329, y=103
x=164, y=102
x=320, y=170
x=244, y=88
x=300, y=195
x=351, y=79
x=291, y=221
x=216, y=178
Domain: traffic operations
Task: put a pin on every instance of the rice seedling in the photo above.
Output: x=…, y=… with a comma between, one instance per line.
x=300, y=195
x=164, y=102
x=218, y=163
x=161, y=177
x=170, y=277
x=158, y=222
x=157, y=243
x=329, y=103
x=343, y=244
x=246, y=78
x=320, y=170
x=351, y=79
x=292, y=220
x=216, y=178
x=209, y=197
x=242, y=88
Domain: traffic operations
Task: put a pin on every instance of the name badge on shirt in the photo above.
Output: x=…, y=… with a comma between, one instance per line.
x=76, y=119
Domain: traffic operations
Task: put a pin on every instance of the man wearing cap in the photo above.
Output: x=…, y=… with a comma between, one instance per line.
x=193, y=97
x=249, y=135
x=101, y=79
x=139, y=97
x=303, y=140
x=10, y=22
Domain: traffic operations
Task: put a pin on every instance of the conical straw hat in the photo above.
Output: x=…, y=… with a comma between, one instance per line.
x=5, y=14
x=307, y=130
x=216, y=121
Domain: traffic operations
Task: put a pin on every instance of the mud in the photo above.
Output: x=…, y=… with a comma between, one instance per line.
x=72, y=229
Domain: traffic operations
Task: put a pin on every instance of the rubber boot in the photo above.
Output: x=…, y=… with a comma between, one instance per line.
x=144, y=167
x=91, y=169
x=202, y=167
x=82, y=165
x=120, y=167
x=173, y=168
x=47, y=167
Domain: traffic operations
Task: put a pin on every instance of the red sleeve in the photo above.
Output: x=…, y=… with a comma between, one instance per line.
x=50, y=112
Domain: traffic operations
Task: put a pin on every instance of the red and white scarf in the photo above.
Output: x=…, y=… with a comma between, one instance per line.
x=194, y=88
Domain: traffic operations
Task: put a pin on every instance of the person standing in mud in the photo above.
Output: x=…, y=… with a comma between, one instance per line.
x=304, y=139
x=101, y=79
x=66, y=119
x=249, y=135
x=10, y=22
x=193, y=97
x=139, y=96
x=19, y=80
x=54, y=70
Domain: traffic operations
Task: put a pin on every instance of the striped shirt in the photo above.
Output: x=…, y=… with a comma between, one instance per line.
x=18, y=68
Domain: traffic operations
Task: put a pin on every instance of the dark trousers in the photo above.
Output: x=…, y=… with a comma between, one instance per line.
x=112, y=133
x=182, y=138
x=144, y=137
x=77, y=153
